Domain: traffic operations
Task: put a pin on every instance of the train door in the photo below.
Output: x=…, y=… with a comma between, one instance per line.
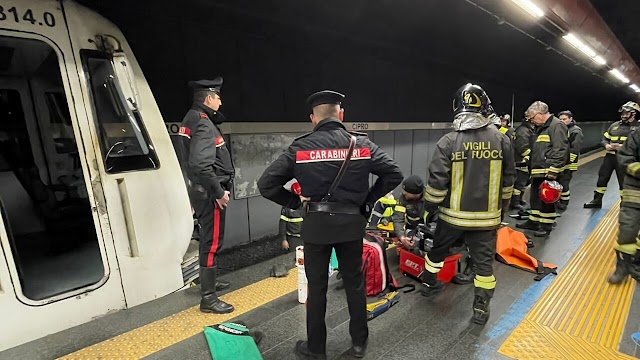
x=55, y=244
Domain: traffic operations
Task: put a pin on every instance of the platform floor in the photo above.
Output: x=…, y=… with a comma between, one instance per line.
x=574, y=315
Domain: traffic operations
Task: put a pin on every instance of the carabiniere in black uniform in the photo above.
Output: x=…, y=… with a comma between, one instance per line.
x=207, y=163
x=314, y=160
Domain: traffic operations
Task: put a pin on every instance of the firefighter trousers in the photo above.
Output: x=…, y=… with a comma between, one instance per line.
x=316, y=261
x=609, y=165
x=522, y=180
x=211, y=219
x=629, y=221
x=565, y=180
x=482, y=248
x=542, y=213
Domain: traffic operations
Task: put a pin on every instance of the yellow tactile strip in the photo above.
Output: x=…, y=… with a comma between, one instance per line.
x=580, y=316
x=165, y=332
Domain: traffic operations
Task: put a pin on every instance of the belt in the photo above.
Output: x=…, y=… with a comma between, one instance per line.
x=332, y=207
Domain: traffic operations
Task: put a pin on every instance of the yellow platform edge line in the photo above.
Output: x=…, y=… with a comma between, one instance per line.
x=591, y=330
x=160, y=334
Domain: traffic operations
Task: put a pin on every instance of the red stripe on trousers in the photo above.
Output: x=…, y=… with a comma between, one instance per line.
x=216, y=234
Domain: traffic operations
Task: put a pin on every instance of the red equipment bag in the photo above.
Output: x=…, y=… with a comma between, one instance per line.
x=375, y=267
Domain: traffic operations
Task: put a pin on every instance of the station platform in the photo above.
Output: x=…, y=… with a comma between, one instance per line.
x=574, y=315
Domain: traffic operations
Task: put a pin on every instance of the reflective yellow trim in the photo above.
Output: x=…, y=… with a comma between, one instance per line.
x=471, y=215
x=565, y=198
x=630, y=249
x=543, y=138
x=388, y=212
x=633, y=168
x=387, y=201
x=294, y=235
x=433, y=199
x=614, y=138
x=507, y=192
x=630, y=196
x=623, y=138
x=606, y=135
x=554, y=169
x=523, y=169
x=601, y=190
x=495, y=170
x=546, y=221
x=470, y=223
x=432, y=267
x=611, y=152
x=539, y=171
x=413, y=218
x=503, y=129
x=436, y=192
x=547, y=215
x=516, y=192
x=526, y=152
x=573, y=157
x=573, y=167
x=457, y=181
x=485, y=282
x=566, y=193
x=293, y=220
x=400, y=208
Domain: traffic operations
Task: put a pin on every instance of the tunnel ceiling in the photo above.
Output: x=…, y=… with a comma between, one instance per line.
x=623, y=17
x=408, y=56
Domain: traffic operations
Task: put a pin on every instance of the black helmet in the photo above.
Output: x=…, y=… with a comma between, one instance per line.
x=471, y=98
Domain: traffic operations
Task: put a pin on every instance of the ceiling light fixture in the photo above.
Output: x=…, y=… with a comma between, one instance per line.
x=619, y=75
x=530, y=7
x=635, y=88
x=578, y=44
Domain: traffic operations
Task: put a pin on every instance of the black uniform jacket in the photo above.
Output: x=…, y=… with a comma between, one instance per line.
x=522, y=143
x=575, y=144
x=549, y=148
x=618, y=133
x=205, y=156
x=314, y=160
x=629, y=158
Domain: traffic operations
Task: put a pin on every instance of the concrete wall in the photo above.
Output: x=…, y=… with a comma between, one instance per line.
x=253, y=218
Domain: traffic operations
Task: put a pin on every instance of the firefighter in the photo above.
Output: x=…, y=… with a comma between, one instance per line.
x=290, y=221
x=629, y=217
x=207, y=163
x=410, y=210
x=549, y=155
x=382, y=213
x=575, y=144
x=522, y=150
x=470, y=180
x=334, y=219
x=612, y=141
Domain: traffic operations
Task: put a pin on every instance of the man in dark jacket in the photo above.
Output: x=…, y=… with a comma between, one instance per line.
x=334, y=219
x=209, y=170
x=549, y=155
x=612, y=141
x=470, y=181
x=575, y=144
x=410, y=210
x=522, y=150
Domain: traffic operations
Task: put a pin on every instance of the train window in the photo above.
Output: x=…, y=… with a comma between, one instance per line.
x=62, y=130
x=124, y=141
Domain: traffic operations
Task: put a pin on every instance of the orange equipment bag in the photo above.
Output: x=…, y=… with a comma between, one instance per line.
x=511, y=249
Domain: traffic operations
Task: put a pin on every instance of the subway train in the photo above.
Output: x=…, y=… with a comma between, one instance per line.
x=95, y=212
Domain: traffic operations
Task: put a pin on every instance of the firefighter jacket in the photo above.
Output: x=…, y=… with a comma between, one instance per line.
x=408, y=214
x=507, y=131
x=629, y=158
x=618, y=133
x=522, y=144
x=313, y=160
x=471, y=177
x=549, y=148
x=290, y=222
x=205, y=157
x=575, y=144
x=382, y=212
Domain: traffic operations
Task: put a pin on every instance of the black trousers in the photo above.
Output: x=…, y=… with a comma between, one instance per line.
x=316, y=263
x=482, y=248
x=565, y=180
x=629, y=220
x=541, y=212
x=211, y=219
x=609, y=165
x=522, y=179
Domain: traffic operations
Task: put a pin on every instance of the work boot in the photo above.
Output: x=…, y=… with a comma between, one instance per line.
x=523, y=202
x=622, y=270
x=466, y=277
x=431, y=290
x=357, y=351
x=515, y=203
x=302, y=348
x=529, y=225
x=596, y=203
x=480, y=310
x=210, y=302
x=545, y=230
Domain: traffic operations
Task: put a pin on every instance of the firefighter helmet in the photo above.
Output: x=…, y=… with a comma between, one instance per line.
x=471, y=98
x=550, y=191
x=296, y=189
x=630, y=106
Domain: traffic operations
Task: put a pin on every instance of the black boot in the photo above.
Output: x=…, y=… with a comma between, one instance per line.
x=529, y=225
x=622, y=270
x=466, y=277
x=562, y=205
x=515, y=203
x=480, y=310
x=302, y=349
x=596, y=203
x=210, y=302
x=545, y=230
x=430, y=284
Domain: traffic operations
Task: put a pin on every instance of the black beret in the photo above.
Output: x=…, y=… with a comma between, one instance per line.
x=324, y=97
x=211, y=85
x=413, y=185
x=566, y=112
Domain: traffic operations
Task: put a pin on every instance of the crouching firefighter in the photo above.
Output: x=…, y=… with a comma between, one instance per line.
x=470, y=180
x=629, y=217
x=612, y=141
x=382, y=213
x=410, y=210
